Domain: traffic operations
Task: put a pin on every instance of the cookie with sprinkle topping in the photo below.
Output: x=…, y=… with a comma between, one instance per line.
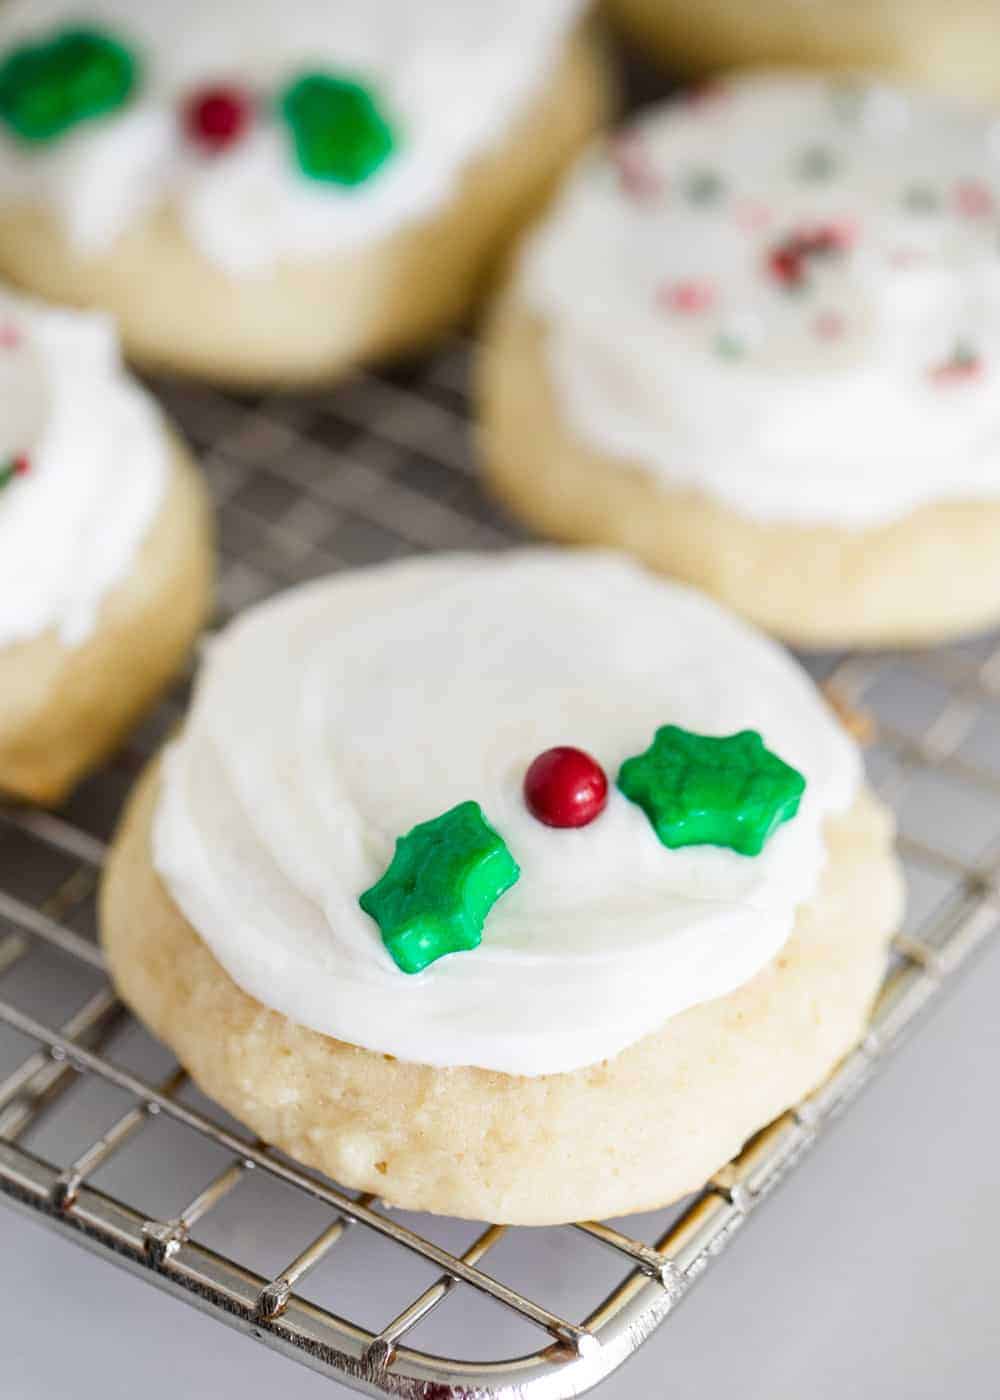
x=751, y=341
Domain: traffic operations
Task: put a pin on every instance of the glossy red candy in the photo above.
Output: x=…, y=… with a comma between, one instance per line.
x=565, y=787
x=216, y=117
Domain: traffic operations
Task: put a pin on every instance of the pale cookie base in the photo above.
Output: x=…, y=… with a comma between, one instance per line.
x=933, y=574
x=629, y=1134
x=64, y=709
x=947, y=44
x=311, y=321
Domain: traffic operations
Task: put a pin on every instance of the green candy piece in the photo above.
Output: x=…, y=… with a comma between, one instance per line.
x=340, y=134
x=442, y=881
x=48, y=87
x=698, y=790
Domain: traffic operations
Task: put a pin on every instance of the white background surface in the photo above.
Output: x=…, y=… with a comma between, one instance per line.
x=872, y=1272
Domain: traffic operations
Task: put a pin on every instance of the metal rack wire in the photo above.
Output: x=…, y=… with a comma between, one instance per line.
x=304, y=486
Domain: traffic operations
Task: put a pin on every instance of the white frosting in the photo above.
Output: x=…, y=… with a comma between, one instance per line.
x=451, y=75
x=822, y=405
x=330, y=721
x=98, y=463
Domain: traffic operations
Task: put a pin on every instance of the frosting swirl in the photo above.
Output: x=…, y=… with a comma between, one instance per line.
x=453, y=76
x=333, y=719
x=785, y=292
x=97, y=460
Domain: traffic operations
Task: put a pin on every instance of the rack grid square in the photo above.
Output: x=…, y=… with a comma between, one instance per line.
x=91, y=1108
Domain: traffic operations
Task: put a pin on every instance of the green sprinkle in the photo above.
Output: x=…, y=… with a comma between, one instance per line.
x=341, y=135
x=817, y=163
x=12, y=469
x=698, y=790
x=921, y=199
x=704, y=187
x=729, y=347
x=443, y=880
x=47, y=88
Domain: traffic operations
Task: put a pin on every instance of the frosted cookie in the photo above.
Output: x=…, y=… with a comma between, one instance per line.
x=105, y=548
x=757, y=342
x=278, y=199
x=948, y=44
x=525, y=887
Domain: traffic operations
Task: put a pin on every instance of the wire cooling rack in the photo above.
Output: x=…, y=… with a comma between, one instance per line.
x=103, y=1136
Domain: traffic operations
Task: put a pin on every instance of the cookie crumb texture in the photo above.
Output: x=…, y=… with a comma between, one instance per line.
x=627, y=1134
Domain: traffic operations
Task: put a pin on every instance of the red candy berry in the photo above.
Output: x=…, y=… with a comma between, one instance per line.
x=20, y=466
x=216, y=117
x=565, y=787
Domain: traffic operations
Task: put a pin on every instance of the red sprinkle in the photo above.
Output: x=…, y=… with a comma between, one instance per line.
x=636, y=175
x=840, y=234
x=21, y=466
x=217, y=117
x=787, y=262
x=565, y=787
x=973, y=199
x=957, y=370
x=829, y=325
x=688, y=298
x=752, y=215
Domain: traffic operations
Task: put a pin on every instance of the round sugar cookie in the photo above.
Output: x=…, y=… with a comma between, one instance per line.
x=335, y=902
x=105, y=549
x=943, y=45
x=277, y=201
x=757, y=343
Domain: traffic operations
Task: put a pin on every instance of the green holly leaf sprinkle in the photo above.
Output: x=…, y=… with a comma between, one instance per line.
x=46, y=88
x=443, y=880
x=340, y=133
x=698, y=790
